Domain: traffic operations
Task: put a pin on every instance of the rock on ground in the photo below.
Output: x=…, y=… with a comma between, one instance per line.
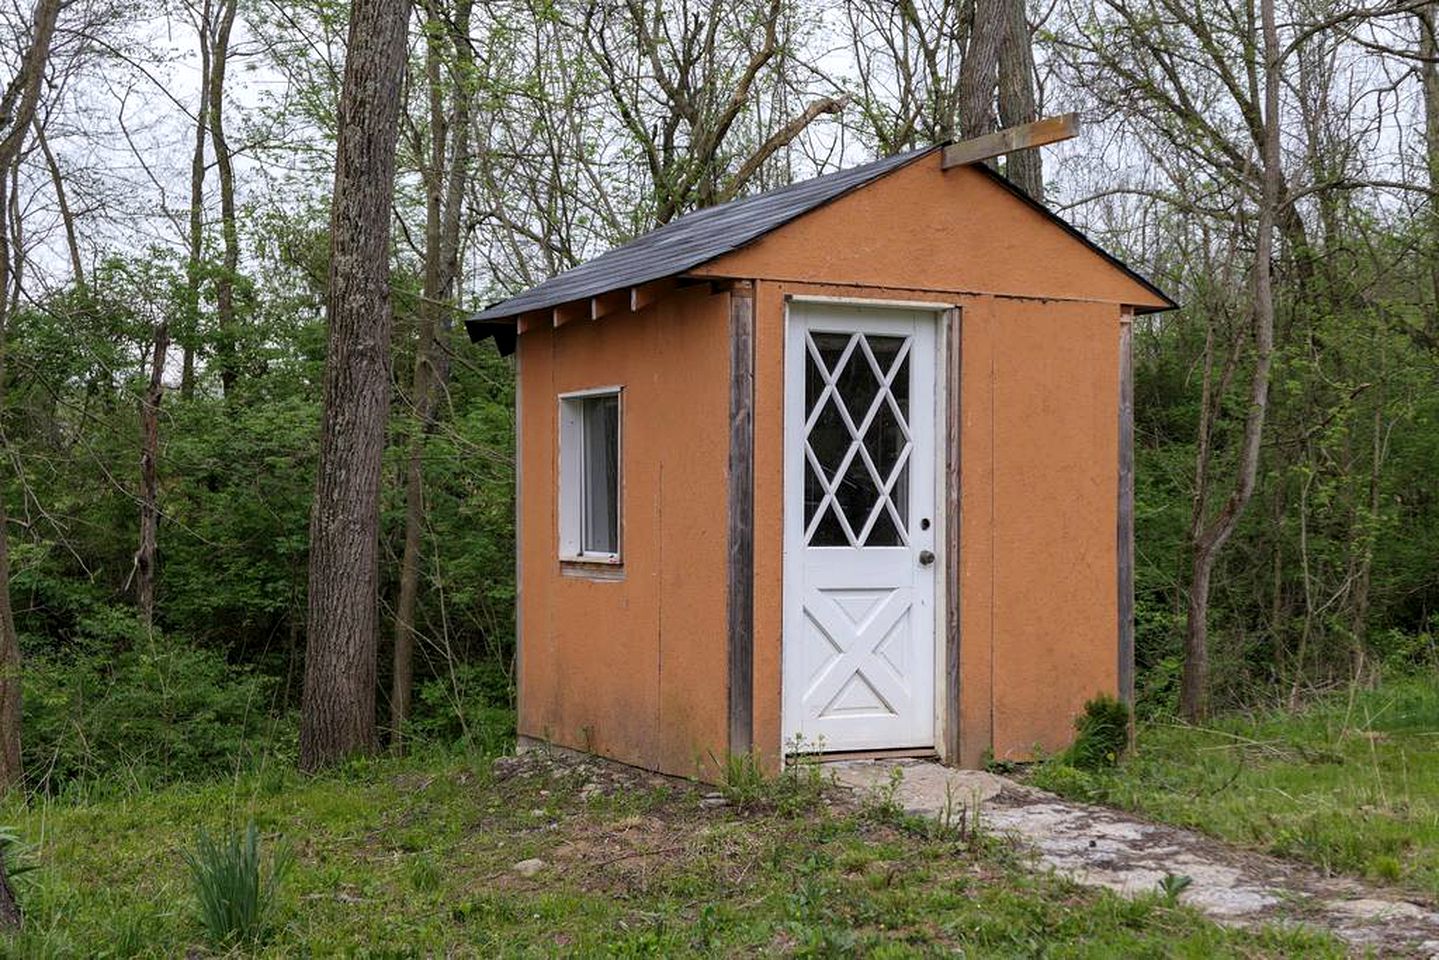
x=1101, y=847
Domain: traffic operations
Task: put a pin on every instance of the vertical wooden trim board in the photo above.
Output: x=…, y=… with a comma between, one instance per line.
x=1125, y=531
x=519, y=542
x=740, y=572
x=953, y=357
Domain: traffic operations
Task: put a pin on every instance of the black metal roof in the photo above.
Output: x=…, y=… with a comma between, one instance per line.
x=693, y=239
x=703, y=235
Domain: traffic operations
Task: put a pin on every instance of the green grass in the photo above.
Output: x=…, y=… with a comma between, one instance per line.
x=402, y=858
x=1349, y=784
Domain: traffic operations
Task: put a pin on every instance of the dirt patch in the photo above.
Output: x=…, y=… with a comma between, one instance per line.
x=621, y=831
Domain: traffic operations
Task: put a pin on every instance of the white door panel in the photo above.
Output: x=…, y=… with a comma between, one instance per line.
x=860, y=530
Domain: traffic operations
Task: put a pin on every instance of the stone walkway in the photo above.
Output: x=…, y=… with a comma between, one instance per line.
x=1101, y=847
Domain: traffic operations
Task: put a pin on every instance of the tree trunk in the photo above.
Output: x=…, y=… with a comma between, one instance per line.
x=17, y=112
x=978, y=73
x=228, y=334
x=11, y=771
x=444, y=195
x=1359, y=623
x=1016, y=97
x=149, y=483
x=1194, y=683
x=62, y=201
x=197, y=212
x=338, y=705
x=1429, y=75
x=1194, y=679
x=10, y=667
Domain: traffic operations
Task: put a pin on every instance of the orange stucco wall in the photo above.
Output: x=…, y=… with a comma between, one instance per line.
x=632, y=668
x=1038, y=510
x=636, y=668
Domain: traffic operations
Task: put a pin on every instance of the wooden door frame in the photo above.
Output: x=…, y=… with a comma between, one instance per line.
x=946, y=445
x=739, y=595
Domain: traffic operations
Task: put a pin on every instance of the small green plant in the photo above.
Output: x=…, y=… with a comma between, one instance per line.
x=881, y=804
x=425, y=875
x=797, y=789
x=14, y=862
x=958, y=821
x=235, y=893
x=1173, y=885
x=1386, y=868
x=1102, y=734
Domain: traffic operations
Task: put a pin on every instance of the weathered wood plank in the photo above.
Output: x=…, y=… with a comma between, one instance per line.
x=574, y=310
x=740, y=572
x=1125, y=532
x=646, y=294
x=1010, y=139
x=608, y=303
x=952, y=320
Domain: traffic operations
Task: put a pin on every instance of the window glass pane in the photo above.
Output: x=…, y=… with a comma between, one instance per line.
x=600, y=428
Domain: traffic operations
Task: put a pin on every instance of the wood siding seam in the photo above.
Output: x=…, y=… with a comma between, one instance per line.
x=943, y=296
x=740, y=567
x=1125, y=531
x=953, y=591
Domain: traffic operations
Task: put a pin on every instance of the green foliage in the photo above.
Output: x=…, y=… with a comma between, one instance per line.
x=161, y=711
x=104, y=705
x=235, y=890
x=1101, y=734
x=471, y=704
x=1332, y=555
x=16, y=856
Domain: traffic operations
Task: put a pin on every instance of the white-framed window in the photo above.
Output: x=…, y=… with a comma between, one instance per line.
x=590, y=475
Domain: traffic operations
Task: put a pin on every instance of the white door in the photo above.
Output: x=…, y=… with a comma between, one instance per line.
x=860, y=528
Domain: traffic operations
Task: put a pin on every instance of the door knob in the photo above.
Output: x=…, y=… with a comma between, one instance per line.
x=926, y=557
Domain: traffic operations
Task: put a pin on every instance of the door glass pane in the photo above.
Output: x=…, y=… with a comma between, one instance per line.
x=857, y=409
x=886, y=351
x=884, y=533
x=601, y=431
x=829, y=533
x=829, y=438
x=857, y=494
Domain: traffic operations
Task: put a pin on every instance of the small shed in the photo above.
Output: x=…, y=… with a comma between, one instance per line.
x=842, y=467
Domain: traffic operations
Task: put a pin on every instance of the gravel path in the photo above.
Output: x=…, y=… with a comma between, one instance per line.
x=1102, y=847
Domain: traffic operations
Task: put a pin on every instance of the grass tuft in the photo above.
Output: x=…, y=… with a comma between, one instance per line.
x=1101, y=734
x=796, y=790
x=236, y=895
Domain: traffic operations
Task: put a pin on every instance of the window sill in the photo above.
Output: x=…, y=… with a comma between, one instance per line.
x=591, y=568
x=594, y=560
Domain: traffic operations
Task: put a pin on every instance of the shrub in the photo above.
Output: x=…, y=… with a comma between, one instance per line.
x=473, y=705
x=234, y=892
x=1102, y=733
x=158, y=712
